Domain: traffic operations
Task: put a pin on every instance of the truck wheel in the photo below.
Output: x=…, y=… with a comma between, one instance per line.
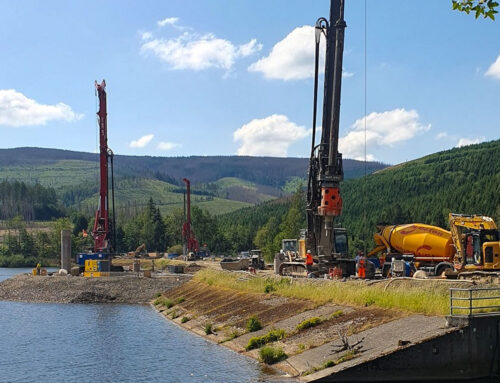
x=441, y=269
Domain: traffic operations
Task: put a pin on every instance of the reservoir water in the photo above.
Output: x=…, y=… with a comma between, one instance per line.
x=108, y=343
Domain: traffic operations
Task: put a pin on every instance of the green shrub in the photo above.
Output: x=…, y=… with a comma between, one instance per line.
x=271, y=336
x=208, y=329
x=269, y=288
x=179, y=300
x=308, y=323
x=174, y=314
x=271, y=355
x=328, y=364
x=168, y=303
x=184, y=319
x=157, y=295
x=253, y=324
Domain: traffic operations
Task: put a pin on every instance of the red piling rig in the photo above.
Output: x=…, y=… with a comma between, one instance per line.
x=101, y=232
x=187, y=232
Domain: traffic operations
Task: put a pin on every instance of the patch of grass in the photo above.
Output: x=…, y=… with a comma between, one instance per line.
x=232, y=335
x=162, y=301
x=351, y=354
x=301, y=346
x=271, y=355
x=208, y=329
x=336, y=314
x=369, y=302
x=430, y=297
x=308, y=323
x=184, y=319
x=179, y=300
x=259, y=341
x=253, y=324
x=174, y=314
x=157, y=295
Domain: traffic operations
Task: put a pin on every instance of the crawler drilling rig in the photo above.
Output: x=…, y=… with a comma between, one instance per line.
x=328, y=245
x=98, y=262
x=324, y=202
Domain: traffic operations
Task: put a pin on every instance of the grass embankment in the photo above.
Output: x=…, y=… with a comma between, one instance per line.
x=424, y=297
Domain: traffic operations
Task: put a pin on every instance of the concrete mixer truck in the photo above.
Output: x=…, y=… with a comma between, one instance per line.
x=430, y=248
x=472, y=247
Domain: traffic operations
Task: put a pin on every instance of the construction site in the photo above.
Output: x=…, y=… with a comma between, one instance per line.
x=422, y=304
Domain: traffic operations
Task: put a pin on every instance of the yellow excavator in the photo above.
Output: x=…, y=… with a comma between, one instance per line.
x=477, y=243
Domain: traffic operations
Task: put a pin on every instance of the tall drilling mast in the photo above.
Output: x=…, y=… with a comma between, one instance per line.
x=324, y=202
x=187, y=231
x=101, y=232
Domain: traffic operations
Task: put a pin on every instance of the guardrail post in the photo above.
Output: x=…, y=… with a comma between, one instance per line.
x=470, y=303
x=451, y=302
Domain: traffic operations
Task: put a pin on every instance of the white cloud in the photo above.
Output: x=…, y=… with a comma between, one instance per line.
x=167, y=21
x=18, y=110
x=494, y=69
x=164, y=145
x=270, y=136
x=145, y=36
x=141, y=142
x=469, y=141
x=291, y=58
x=384, y=129
x=442, y=135
x=193, y=51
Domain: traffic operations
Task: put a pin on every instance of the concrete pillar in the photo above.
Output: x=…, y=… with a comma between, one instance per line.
x=66, y=250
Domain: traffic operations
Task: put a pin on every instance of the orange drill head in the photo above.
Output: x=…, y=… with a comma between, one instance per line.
x=331, y=202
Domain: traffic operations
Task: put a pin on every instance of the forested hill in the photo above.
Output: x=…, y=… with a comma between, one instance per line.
x=261, y=170
x=462, y=180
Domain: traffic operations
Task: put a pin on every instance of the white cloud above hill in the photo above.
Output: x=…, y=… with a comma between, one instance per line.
x=194, y=51
x=18, y=110
x=386, y=129
x=270, y=136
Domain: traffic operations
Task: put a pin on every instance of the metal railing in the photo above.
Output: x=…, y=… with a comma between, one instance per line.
x=473, y=302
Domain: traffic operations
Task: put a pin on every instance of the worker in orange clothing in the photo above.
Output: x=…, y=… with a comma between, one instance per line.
x=309, y=261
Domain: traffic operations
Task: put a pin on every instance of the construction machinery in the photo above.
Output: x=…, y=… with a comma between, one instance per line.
x=477, y=242
x=470, y=248
x=328, y=244
x=98, y=262
x=191, y=245
x=429, y=248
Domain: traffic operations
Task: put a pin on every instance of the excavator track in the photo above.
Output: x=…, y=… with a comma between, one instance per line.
x=481, y=276
x=293, y=269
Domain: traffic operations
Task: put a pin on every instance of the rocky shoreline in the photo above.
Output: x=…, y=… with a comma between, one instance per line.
x=69, y=289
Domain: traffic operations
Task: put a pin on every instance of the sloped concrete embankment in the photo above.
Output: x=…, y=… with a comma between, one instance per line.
x=345, y=335
x=350, y=344
x=468, y=350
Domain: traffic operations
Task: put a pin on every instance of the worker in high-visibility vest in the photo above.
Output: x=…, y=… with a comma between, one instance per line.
x=309, y=261
x=38, y=268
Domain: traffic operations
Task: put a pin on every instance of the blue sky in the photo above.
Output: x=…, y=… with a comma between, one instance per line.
x=233, y=77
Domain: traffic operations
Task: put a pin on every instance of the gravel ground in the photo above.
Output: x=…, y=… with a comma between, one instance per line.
x=68, y=289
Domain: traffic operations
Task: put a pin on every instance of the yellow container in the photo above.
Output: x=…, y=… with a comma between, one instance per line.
x=91, y=265
x=95, y=274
